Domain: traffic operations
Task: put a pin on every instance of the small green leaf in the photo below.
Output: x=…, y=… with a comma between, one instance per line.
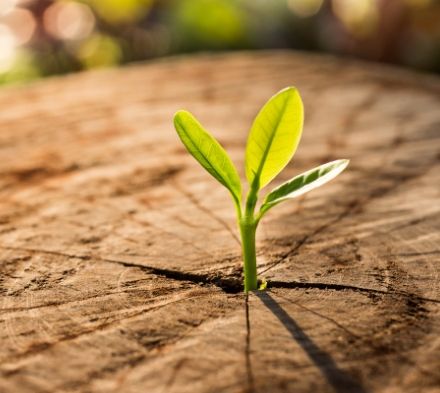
x=263, y=285
x=303, y=183
x=274, y=137
x=208, y=152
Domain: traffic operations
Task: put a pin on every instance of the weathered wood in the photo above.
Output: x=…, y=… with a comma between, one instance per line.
x=120, y=266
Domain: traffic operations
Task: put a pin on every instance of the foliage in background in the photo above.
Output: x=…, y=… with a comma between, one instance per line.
x=45, y=37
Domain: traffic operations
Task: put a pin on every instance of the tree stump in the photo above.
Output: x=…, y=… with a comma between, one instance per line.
x=120, y=260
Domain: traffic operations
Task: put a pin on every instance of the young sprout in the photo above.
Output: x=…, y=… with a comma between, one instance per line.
x=271, y=144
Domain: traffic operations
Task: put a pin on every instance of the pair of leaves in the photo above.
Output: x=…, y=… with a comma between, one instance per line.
x=272, y=142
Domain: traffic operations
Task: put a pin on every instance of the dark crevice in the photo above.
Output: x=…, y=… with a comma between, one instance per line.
x=344, y=287
x=231, y=284
x=249, y=372
x=228, y=283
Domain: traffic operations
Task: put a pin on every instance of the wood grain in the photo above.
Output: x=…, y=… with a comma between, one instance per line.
x=120, y=266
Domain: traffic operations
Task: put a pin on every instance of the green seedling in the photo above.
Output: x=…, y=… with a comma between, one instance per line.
x=272, y=142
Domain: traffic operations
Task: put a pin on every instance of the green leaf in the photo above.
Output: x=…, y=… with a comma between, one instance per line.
x=274, y=137
x=208, y=152
x=263, y=285
x=303, y=183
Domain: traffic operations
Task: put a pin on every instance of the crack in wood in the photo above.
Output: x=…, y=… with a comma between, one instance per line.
x=228, y=283
x=70, y=302
x=344, y=287
x=249, y=372
x=334, y=322
x=353, y=207
x=305, y=239
x=190, y=197
x=174, y=235
x=43, y=346
x=397, y=328
x=339, y=379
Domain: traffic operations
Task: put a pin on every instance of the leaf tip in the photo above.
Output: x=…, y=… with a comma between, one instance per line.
x=182, y=120
x=179, y=114
x=289, y=90
x=339, y=165
x=344, y=162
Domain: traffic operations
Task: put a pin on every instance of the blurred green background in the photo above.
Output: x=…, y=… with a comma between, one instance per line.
x=45, y=37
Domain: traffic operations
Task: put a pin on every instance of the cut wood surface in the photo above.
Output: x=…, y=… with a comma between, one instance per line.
x=120, y=265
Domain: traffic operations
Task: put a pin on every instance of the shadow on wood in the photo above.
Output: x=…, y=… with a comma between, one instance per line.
x=341, y=381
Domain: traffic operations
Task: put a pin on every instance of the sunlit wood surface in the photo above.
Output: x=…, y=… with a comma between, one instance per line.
x=120, y=268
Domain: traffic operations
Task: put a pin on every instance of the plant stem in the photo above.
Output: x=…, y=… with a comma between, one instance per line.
x=247, y=230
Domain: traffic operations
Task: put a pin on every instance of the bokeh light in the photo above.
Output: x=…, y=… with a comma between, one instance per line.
x=305, y=8
x=8, y=46
x=7, y=6
x=217, y=23
x=46, y=37
x=22, y=23
x=120, y=11
x=99, y=51
x=69, y=20
x=360, y=17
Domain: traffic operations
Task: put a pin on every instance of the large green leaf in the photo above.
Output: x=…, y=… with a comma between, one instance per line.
x=274, y=137
x=208, y=152
x=303, y=183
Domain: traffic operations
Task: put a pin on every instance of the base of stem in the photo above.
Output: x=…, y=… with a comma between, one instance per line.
x=247, y=231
